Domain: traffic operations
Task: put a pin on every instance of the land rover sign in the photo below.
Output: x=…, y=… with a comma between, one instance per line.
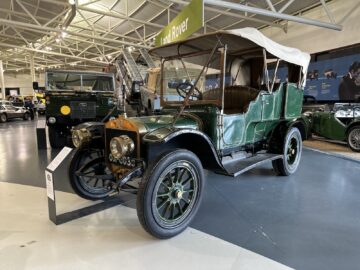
x=183, y=25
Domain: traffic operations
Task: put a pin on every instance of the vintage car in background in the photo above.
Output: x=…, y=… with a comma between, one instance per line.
x=341, y=123
x=246, y=121
x=150, y=91
x=310, y=104
x=73, y=97
x=9, y=111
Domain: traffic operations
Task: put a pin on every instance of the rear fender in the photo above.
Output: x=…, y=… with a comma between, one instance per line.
x=277, y=137
x=302, y=126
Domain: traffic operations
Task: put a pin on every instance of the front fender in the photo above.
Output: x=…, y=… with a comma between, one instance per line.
x=355, y=122
x=168, y=138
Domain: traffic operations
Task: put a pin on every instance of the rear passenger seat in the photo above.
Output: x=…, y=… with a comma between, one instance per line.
x=236, y=98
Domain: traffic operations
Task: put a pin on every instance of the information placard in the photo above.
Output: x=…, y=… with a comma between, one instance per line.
x=49, y=185
x=41, y=123
x=59, y=158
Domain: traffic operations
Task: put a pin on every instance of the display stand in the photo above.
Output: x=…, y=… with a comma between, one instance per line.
x=41, y=134
x=51, y=175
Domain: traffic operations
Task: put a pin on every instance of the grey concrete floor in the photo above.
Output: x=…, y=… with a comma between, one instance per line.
x=310, y=220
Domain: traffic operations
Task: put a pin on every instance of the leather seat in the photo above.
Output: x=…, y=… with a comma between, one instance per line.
x=236, y=98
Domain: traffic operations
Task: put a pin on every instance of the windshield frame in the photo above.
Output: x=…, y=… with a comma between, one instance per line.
x=180, y=57
x=81, y=74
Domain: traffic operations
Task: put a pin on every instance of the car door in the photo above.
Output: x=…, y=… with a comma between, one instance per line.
x=10, y=111
x=327, y=125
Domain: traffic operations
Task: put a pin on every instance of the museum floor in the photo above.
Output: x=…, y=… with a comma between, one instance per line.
x=310, y=220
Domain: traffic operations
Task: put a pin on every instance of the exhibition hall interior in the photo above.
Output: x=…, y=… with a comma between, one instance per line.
x=180, y=134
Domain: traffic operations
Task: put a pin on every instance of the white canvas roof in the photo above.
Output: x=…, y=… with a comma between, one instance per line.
x=289, y=54
x=237, y=40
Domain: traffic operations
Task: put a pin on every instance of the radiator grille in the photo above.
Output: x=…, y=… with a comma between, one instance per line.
x=82, y=109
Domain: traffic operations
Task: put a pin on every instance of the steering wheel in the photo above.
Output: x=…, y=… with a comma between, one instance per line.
x=184, y=88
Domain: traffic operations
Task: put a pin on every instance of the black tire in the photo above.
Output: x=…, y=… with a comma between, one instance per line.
x=57, y=138
x=185, y=195
x=87, y=186
x=3, y=118
x=353, y=138
x=292, y=150
x=26, y=116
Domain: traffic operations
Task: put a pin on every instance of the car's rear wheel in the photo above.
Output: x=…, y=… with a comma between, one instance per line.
x=57, y=137
x=353, y=138
x=292, y=150
x=89, y=176
x=26, y=116
x=169, y=194
x=3, y=118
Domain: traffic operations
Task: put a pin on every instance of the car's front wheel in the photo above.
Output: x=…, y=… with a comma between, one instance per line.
x=89, y=176
x=26, y=116
x=353, y=138
x=169, y=194
x=292, y=150
x=3, y=118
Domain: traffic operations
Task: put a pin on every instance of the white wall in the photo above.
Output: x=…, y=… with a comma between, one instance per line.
x=314, y=39
x=23, y=81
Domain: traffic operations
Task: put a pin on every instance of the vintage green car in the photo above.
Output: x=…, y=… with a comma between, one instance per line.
x=73, y=97
x=238, y=121
x=341, y=123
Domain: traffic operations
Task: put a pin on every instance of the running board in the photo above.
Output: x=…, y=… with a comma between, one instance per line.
x=236, y=167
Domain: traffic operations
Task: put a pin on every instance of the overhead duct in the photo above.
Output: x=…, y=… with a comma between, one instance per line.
x=70, y=16
x=269, y=13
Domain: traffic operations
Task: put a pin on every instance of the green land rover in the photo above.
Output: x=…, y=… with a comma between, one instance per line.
x=230, y=118
x=75, y=97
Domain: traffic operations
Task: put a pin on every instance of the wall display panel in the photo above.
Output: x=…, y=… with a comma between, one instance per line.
x=335, y=79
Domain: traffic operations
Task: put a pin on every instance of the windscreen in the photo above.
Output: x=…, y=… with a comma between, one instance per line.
x=63, y=81
x=180, y=75
x=79, y=82
x=97, y=83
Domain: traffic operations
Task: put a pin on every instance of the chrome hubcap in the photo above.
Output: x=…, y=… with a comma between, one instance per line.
x=292, y=150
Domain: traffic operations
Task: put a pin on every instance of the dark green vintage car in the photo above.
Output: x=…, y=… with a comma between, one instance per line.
x=229, y=119
x=340, y=123
x=73, y=97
